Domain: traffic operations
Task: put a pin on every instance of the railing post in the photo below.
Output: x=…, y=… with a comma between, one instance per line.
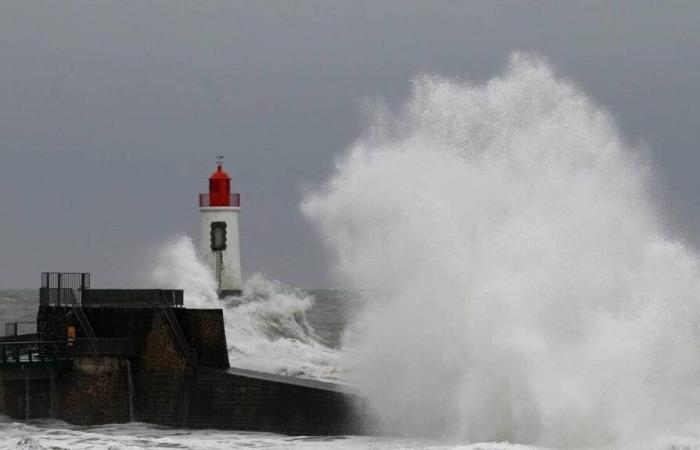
x=26, y=394
x=52, y=393
x=58, y=276
x=82, y=287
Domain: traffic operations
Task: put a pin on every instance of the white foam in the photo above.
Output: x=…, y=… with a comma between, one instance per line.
x=54, y=434
x=178, y=267
x=523, y=287
x=266, y=329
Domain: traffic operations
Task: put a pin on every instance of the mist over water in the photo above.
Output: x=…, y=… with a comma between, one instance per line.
x=523, y=285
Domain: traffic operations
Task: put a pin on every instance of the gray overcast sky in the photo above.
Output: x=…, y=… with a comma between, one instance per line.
x=112, y=112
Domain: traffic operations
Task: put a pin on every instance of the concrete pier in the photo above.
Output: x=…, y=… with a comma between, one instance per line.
x=166, y=366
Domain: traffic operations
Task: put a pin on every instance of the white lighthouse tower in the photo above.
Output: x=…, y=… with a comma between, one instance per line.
x=219, y=232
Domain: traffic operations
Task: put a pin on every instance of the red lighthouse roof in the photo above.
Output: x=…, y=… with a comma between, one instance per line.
x=219, y=189
x=219, y=173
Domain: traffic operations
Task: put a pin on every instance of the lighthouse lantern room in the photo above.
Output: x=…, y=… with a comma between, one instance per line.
x=219, y=245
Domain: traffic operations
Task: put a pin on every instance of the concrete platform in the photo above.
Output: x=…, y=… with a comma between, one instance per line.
x=305, y=382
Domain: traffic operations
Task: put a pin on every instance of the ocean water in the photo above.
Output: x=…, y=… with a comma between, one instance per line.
x=58, y=435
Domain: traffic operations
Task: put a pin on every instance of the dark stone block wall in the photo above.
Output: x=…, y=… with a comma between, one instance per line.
x=95, y=391
x=167, y=390
x=203, y=328
x=13, y=401
x=163, y=396
x=160, y=349
x=231, y=401
x=51, y=323
x=209, y=398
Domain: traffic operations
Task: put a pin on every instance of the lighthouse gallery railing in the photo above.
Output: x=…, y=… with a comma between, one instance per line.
x=234, y=200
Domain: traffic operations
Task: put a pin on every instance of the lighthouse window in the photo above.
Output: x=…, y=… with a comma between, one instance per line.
x=218, y=236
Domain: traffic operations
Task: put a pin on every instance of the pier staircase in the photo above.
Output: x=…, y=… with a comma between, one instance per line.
x=85, y=325
x=73, y=290
x=188, y=352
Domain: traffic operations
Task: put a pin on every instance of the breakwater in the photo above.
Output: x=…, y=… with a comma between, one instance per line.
x=156, y=363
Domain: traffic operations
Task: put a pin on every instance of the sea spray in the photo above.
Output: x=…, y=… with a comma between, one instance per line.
x=266, y=329
x=178, y=267
x=522, y=285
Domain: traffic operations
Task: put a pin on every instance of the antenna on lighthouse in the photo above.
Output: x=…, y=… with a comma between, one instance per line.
x=219, y=160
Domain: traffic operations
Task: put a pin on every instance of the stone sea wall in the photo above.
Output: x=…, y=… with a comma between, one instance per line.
x=95, y=391
x=158, y=385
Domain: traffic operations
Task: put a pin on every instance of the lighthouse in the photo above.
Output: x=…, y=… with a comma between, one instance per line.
x=219, y=210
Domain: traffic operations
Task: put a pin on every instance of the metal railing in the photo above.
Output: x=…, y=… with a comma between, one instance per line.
x=52, y=351
x=17, y=328
x=86, y=326
x=132, y=298
x=234, y=200
x=33, y=352
x=63, y=289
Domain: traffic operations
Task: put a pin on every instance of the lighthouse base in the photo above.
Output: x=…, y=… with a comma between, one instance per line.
x=223, y=293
